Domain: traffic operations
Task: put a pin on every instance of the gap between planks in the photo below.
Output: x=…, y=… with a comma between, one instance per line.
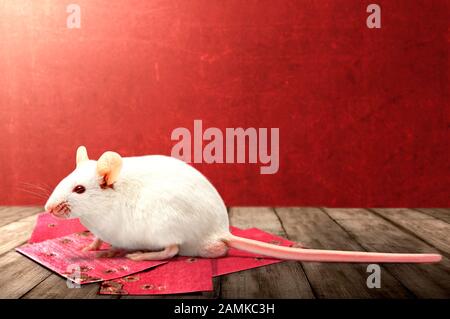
x=439, y=213
x=9, y=214
x=19, y=228
x=18, y=274
x=313, y=228
x=376, y=233
x=274, y=281
x=429, y=229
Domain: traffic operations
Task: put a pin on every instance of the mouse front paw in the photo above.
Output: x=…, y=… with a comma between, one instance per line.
x=95, y=245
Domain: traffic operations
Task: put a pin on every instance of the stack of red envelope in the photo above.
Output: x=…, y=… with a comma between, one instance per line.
x=57, y=244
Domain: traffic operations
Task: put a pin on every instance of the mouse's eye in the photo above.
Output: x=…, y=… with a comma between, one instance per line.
x=79, y=189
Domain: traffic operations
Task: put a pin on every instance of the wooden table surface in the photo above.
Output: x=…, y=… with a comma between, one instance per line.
x=387, y=230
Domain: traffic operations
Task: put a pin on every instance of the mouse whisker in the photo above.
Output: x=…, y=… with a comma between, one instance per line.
x=35, y=187
x=47, y=188
x=34, y=193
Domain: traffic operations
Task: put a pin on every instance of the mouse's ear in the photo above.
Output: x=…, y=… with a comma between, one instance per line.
x=81, y=155
x=109, y=166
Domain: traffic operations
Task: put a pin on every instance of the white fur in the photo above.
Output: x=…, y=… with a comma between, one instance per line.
x=156, y=202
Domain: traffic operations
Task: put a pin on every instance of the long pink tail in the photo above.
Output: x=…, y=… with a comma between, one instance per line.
x=290, y=253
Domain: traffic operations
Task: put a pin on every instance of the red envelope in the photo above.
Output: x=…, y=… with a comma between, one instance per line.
x=64, y=255
x=48, y=227
x=184, y=274
x=237, y=260
x=179, y=275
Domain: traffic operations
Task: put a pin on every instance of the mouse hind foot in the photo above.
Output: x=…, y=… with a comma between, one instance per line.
x=167, y=253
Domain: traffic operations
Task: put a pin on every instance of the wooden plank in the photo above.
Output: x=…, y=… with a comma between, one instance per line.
x=375, y=233
x=16, y=233
x=284, y=280
x=261, y=217
x=429, y=229
x=55, y=287
x=315, y=229
x=439, y=213
x=9, y=214
x=19, y=274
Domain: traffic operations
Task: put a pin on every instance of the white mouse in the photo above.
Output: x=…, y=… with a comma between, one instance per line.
x=156, y=207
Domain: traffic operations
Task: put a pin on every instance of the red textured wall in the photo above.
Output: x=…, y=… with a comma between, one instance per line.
x=363, y=114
